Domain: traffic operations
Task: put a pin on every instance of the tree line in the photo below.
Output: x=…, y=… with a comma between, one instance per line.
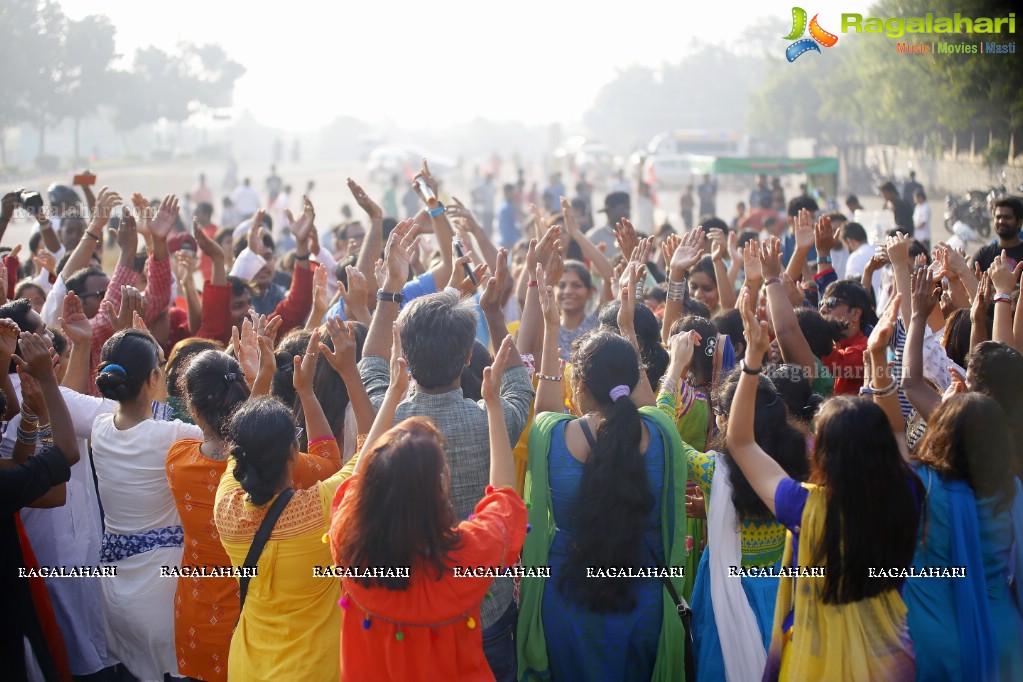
x=56, y=69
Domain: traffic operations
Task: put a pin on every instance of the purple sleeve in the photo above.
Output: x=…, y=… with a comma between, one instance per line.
x=789, y=500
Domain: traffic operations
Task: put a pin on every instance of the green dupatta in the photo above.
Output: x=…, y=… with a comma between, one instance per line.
x=531, y=644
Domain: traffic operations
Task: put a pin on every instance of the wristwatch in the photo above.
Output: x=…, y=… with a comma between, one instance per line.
x=398, y=298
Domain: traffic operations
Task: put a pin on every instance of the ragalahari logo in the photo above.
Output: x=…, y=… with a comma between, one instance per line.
x=817, y=35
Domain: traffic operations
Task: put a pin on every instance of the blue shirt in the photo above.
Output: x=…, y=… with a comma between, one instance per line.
x=420, y=286
x=507, y=227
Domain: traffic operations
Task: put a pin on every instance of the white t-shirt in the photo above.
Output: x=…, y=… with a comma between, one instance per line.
x=922, y=222
x=246, y=200
x=858, y=260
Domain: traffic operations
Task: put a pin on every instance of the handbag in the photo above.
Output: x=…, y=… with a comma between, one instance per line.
x=685, y=613
x=259, y=541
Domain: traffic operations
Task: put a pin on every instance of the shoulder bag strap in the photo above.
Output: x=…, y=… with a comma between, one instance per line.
x=260, y=539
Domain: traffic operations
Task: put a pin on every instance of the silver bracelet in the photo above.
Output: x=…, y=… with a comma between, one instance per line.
x=677, y=290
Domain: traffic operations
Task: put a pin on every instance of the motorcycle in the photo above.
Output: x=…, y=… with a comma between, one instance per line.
x=973, y=211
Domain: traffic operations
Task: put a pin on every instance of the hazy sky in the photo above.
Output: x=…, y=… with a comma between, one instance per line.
x=436, y=63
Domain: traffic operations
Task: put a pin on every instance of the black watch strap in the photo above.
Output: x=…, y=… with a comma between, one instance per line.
x=398, y=298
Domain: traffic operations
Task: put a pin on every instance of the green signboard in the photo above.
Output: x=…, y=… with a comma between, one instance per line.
x=765, y=165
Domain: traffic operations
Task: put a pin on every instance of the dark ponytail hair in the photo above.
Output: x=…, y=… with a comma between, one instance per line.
x=213, y=385
x=702, y=365
x=774, y=433
x=126, y=362
x=615, y=500
x=794, y=388
x=648, y=333
x=262, y=433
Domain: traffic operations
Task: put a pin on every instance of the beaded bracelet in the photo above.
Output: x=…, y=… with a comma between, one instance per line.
x=532, y=283
x=27, y=415
x=26, y=437
x=548, y=377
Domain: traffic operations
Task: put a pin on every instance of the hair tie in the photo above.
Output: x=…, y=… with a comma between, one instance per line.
x=710, y=346
x=230, y=378
x=111, y=368
x=619, y=391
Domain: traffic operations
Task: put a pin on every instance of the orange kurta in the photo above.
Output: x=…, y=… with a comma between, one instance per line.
x=439, y=620
x=206, y=609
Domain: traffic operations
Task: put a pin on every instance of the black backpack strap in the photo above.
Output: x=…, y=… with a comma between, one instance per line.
x=260, y=539
x=685, y=614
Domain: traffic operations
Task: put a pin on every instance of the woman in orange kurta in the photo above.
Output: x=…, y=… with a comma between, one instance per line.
x=396, y=512
x=206, y=608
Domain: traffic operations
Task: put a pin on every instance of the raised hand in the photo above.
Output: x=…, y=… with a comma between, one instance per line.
x=924, y=295
x=494, y=287
x=132, y=301
x=305, y=365
x=718, y=243
x=356, y=294
x=571, y=223
x=681, y=348
x=668, y=247
x=805, y=234
x=1003, y=279
x=430, y=181
x=371, y=207
x=141, y=205
x=401, y=244
x=321, y=299
x=548, y=301
x=792, y=290
x=399, y=376
x=459, y=280
x=492, y=375
x=688, y=252
x=301, y=227
x=548, y=243
x=634, y=272
x=881, y=336
x=32, y=396
x=127, y=234
x=342, y=335
x=73, y=321
x=9, y=333
x=162, y=224
x=983, y=300
x=824, y=236
x=105, y=203
x=758, y=341
x=897, y=246
x=625, y=235
x=771, y=258
x=208, y=246
x=751, y=261
x=34, y=357
x=734, y=252
x=246, y=349
x=43, y=260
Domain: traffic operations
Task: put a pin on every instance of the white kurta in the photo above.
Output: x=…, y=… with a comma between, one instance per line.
x=138, y=603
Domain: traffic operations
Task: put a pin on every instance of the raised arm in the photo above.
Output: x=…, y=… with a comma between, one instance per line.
x=485, y=246
x=36, y=361
x=897, y=247
x=979, y=311
x=687, y=254
x=805, y=239
x=316, y=423
x=78, y=331
x=490, y=303
x=719, y=247
x=342, y=360
x=1004, y=281
x=549, y=374
x=502, y=465
x=643, y=394
x=9, y=333
x=793, y=345
x=93, y=235
x=923, y=299
x=883, y=387
x=396, y=390
x=589, y=249
x=441, y=228
x=402, y=241
x=763, y=473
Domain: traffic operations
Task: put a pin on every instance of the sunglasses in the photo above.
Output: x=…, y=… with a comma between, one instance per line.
x=101, y=293
x=831, y=302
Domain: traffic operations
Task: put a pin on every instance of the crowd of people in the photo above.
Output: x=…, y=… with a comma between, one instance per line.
x=442, y=448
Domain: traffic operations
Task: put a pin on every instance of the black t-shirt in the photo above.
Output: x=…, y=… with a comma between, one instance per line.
x=986, y=255
x=19, y=486
x=903, y=215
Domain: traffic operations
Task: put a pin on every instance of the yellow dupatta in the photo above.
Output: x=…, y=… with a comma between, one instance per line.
x=864, y=640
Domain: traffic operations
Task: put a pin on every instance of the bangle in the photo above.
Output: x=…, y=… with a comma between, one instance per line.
x=823, y=259
x=305, y=257
x=747, y=370
x=532, y=283
x=27, y=415
x=638, y=293
x=881, y=392
x=677, y=290
x=27, y=438
x=548, y=377
x=1002, y=298
x=773, y=280
x=90, y=234
x=434, y=212
x=668, y=385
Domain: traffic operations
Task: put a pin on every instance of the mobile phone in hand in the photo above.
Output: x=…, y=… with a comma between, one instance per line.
x=84, y=178
x=468, y=269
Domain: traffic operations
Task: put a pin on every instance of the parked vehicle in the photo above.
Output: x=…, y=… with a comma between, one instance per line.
x=404, y=161
x=972, y=210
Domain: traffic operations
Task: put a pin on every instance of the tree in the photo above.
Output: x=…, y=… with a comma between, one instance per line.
x=88, y=52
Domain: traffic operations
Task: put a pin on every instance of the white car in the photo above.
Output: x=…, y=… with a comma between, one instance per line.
x=668, y=171
x=404, y=160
